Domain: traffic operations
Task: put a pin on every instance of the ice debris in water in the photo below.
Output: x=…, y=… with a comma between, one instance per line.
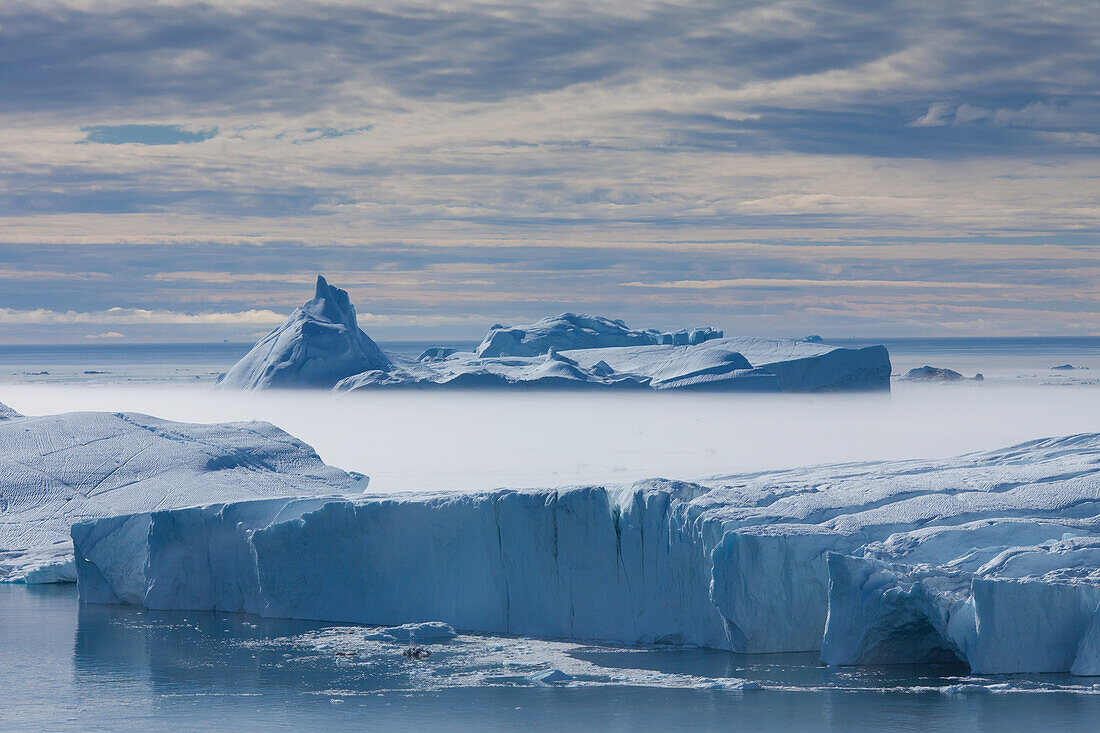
x=732, y=684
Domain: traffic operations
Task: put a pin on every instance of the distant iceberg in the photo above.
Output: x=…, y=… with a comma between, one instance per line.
x=991, y=558
x=572, y=331
x=60, y=469
x=321, y=345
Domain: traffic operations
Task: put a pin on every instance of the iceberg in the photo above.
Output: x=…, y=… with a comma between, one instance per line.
x=59, y=469
x=578, y=331
x=321, y=345
x=938, y=374
x=992, y=559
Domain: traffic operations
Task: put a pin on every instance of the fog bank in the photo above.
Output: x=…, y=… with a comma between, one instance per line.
x=466, y=440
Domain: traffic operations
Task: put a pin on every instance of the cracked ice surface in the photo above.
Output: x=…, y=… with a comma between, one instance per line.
x=59, y=469
x=989, y=558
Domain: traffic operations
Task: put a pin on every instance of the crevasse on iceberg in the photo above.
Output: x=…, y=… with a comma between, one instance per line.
x=321, y=345
x=991, y=558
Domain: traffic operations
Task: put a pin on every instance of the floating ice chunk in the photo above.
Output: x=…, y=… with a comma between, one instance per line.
x=937, y=374
x=549, y=677
x=730, y=684
x=427, y=631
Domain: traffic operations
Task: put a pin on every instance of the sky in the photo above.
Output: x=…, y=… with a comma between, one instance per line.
x=172, y=171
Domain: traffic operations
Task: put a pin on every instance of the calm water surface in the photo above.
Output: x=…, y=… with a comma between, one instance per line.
x=64, y=666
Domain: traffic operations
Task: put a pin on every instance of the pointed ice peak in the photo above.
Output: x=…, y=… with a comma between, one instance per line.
x=319, y=344
x=332, y=304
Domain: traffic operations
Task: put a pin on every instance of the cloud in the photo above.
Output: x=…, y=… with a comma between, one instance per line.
x=105, y=335
x=748, y=282
x=43, y=316
x=27, y=275
x=555, y=150
x=938, y=115
x=140, y=316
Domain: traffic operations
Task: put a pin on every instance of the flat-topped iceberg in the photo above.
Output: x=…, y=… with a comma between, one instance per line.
x=321, y=345
x=577, y=331
x=991, y=558
x=59, y=469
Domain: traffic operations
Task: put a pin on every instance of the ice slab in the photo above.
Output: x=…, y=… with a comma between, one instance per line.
x=60, y=469
x=870, y=563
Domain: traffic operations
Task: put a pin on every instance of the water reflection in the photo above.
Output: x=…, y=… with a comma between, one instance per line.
x=67, y=667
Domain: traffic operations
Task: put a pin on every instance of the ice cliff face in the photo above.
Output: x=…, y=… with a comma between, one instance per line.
x=573, y=331
x=60, y=469
x=319, y=344
x=991, y=558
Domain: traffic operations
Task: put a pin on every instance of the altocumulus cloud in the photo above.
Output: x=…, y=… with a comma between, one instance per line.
x=606, y=144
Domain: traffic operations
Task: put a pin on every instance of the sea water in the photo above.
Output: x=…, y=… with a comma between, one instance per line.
x=68, y=666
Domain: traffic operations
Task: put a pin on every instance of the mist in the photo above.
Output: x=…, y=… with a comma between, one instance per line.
x=472, y=440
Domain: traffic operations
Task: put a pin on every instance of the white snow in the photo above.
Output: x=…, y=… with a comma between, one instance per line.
x=60, y=469
x=992, y=558
x=319, y=344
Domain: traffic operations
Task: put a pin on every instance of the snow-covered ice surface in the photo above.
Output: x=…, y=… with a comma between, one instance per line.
x=59, y=469
x=989, y=558
x=321, y=345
